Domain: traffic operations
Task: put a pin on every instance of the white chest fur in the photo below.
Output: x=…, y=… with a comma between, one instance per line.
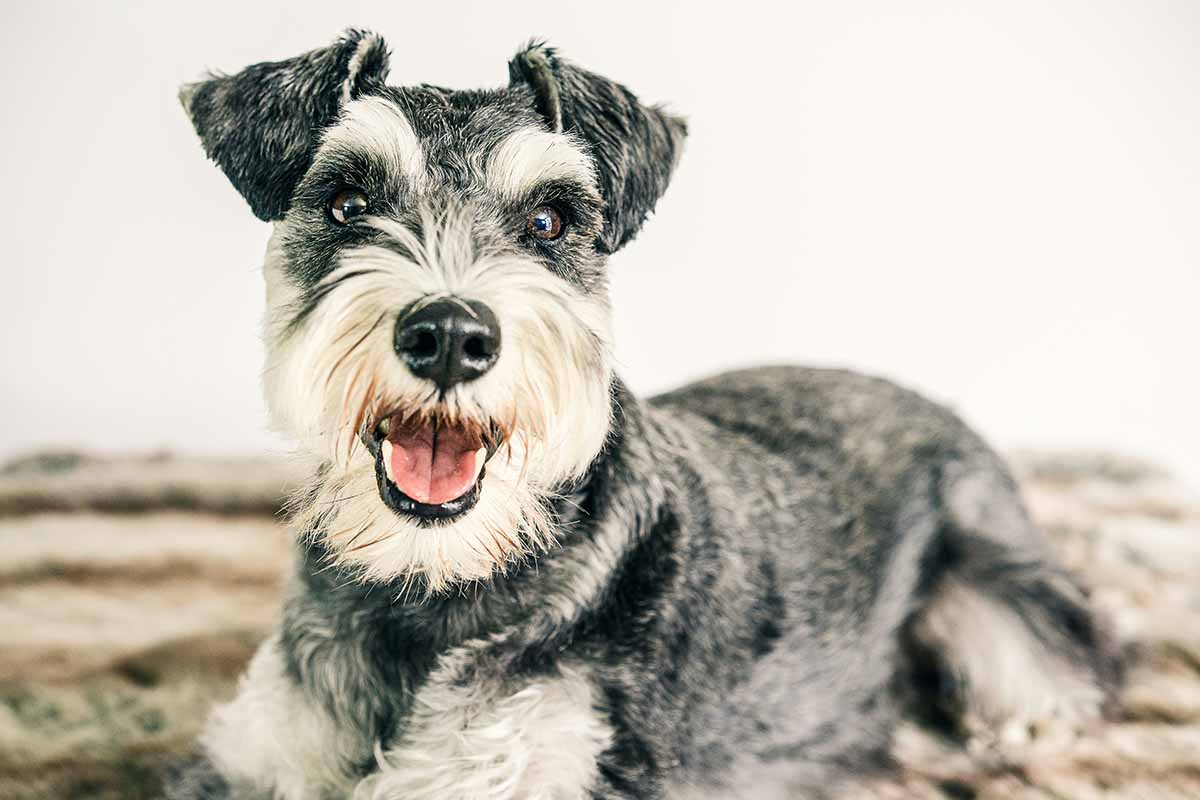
x=470, y=736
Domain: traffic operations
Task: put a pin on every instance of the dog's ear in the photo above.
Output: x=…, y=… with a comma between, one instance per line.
x=262, y=125
x=635, y=147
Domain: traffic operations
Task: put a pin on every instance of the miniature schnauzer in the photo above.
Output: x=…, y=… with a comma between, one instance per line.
x=516, y=578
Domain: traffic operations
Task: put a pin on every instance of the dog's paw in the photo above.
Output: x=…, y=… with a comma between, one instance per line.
x=1053, y=730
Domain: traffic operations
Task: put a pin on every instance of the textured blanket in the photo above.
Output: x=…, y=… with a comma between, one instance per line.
x=133, y=591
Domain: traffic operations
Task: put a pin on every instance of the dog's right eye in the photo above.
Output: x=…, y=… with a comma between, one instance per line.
x=347, y=204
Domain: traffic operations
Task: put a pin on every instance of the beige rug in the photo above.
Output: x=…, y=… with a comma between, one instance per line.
x=132, y=591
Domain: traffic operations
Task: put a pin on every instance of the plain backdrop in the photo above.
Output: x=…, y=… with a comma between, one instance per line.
x=996, y=203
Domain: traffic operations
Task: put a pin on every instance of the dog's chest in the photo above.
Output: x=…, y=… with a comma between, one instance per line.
x=471, y=734
x=475, y=737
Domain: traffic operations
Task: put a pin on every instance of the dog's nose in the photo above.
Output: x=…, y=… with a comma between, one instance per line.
x=449, y=341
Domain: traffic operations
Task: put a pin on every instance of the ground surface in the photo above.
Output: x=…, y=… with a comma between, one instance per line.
x=133, y=591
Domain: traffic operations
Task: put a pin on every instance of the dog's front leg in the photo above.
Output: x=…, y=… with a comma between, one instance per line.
x=273, y=741
x=198, y=780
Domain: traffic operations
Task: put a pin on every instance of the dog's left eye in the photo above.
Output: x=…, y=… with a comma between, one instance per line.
x=347, y=204
x=544, y=223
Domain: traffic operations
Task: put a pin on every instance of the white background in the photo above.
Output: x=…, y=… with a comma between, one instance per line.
x=996, y=203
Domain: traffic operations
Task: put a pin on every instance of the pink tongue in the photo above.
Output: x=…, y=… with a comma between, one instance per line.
x=433, y=469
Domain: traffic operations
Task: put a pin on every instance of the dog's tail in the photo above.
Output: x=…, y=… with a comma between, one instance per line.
x=1006, y=639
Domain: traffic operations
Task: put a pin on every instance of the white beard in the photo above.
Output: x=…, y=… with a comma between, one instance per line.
x=333, y=375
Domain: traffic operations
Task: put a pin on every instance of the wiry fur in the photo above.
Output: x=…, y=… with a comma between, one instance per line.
x=543, y=740
x=750, y=576
x=271, y=741
x=549, y=393
x=539, y=738
x=1009, y=677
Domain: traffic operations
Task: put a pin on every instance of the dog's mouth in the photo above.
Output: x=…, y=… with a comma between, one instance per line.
x=430, y=469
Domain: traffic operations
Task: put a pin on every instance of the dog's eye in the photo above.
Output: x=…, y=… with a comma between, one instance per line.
x=346, y=204
x=544, y=223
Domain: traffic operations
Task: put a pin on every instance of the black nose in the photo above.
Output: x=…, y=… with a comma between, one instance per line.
x=449, y=341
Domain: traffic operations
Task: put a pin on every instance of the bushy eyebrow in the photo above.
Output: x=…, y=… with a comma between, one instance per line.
x=532, y=156
x=580, y=200
x=378, y=128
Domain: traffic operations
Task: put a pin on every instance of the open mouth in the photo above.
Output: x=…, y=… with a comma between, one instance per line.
x=430, y=469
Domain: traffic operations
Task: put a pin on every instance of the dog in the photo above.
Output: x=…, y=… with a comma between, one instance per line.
x=515, y=578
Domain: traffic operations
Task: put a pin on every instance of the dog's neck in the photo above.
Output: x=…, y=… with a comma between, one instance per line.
x=394, y=637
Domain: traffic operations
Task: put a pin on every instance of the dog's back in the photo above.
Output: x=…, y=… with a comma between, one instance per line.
x=874, y=557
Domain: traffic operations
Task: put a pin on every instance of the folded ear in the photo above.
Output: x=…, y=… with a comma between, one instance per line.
x=635, y=147
x=261, y=126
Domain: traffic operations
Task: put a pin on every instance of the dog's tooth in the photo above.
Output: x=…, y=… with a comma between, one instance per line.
x=480, y=459
x=386, y=449
x=385, y=426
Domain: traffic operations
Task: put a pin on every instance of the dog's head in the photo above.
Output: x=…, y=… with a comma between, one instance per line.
x=438, y=327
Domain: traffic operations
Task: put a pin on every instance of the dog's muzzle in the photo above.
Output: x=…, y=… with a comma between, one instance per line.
x=432, y=467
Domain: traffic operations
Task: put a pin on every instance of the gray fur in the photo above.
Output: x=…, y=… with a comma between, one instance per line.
x=258, y=125
x=743, y=577
x=636, y=148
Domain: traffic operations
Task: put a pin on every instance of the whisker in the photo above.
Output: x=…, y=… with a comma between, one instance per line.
x=425, y=301
x=458, y=301
x=357, y=427
x=337, y=365
x=371, y=543
x=341, y=499
x=319, y=293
